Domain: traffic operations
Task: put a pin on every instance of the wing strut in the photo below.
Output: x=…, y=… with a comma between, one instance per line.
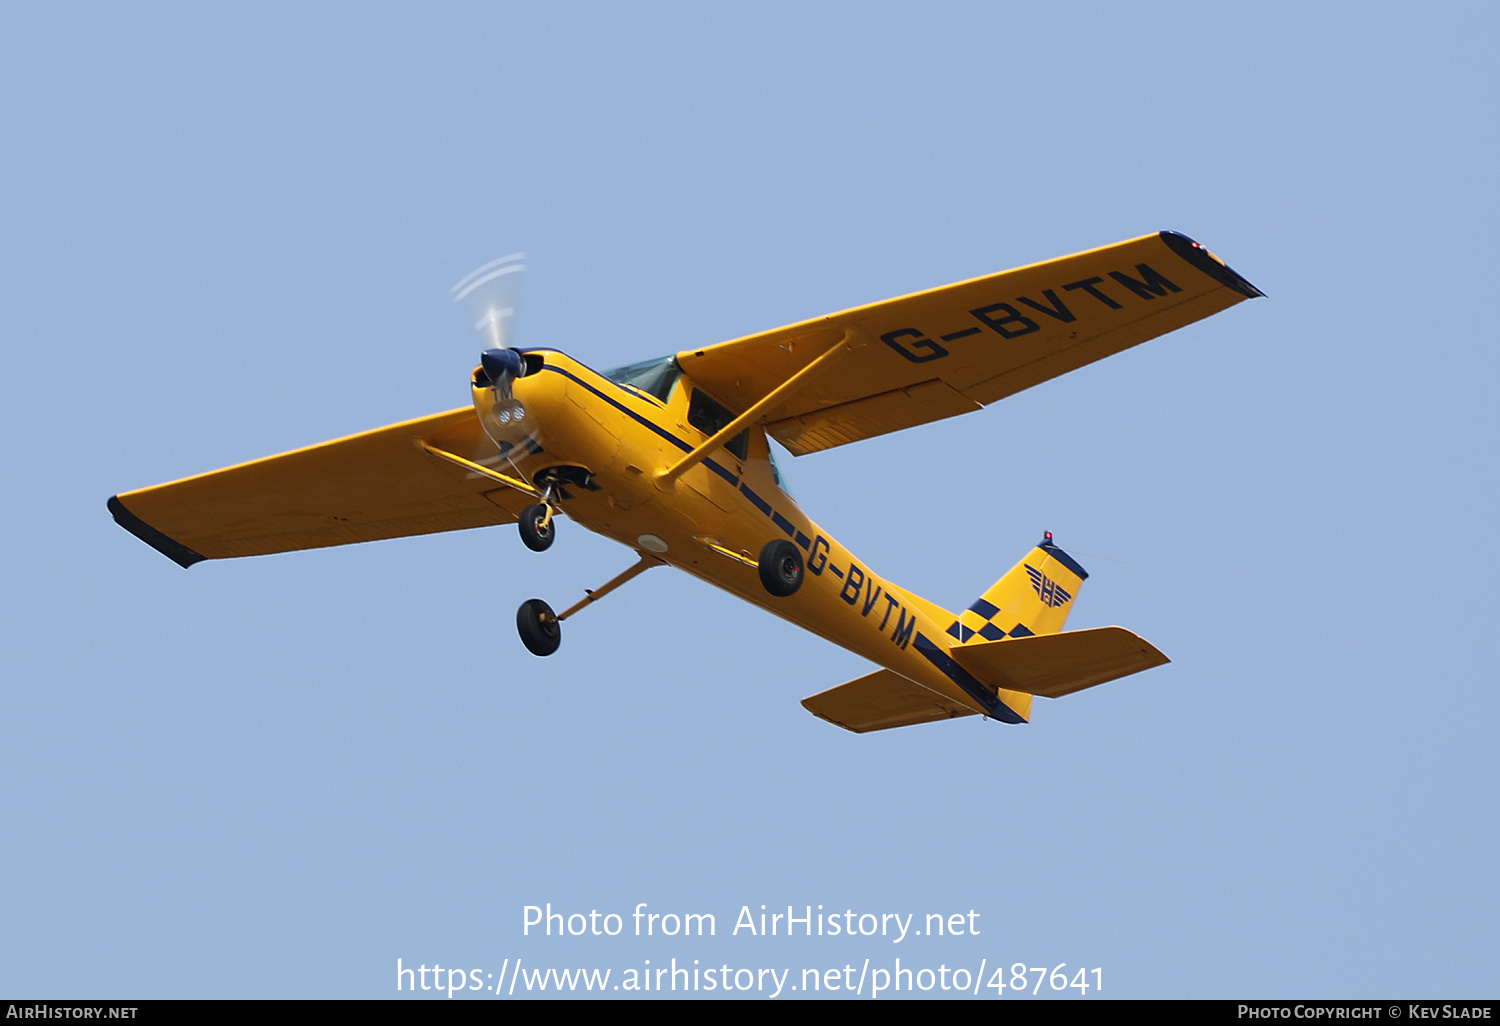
x=481, y=469
x=853, y=338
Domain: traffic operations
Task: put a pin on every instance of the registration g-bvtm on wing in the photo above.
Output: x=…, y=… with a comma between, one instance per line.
x=670, y=458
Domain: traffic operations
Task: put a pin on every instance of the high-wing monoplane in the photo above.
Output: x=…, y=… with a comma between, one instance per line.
x=671, y=458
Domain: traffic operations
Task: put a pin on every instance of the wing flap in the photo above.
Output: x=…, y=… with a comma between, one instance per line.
x=881, y=700
x=866, y=418
x=985, y=339
x=361, y=488
x=1053, y=665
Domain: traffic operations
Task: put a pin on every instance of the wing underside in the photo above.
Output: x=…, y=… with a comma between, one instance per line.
x=950, y=350
x=366, y=487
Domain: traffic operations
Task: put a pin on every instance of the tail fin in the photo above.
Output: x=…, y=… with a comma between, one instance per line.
x=1011, y=640
x=1034, y=597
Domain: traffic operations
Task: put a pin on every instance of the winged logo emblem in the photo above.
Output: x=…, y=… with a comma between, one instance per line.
x=1046, y=588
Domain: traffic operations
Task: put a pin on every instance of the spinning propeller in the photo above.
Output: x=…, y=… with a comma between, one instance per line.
x=488, y=294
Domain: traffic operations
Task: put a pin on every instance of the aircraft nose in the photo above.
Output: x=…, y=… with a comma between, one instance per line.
x=501, y=363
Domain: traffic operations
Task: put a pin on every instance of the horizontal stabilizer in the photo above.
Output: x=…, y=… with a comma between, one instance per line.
x=1053, y=665
x=881, y=700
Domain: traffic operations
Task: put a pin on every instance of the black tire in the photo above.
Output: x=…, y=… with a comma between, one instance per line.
x=540, y=631
x=536, y=537
x=781, y=566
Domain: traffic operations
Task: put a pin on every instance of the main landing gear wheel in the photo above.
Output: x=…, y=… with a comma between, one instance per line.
x=540, y=631
x=781, y=568
x=537, y=531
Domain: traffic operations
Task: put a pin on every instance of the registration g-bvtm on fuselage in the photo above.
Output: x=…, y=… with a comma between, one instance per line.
x=670, y=457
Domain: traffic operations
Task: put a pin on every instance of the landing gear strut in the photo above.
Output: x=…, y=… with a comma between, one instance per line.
x=541, y=628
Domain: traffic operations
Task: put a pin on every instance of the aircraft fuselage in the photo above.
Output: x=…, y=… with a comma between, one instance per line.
x=623, y=438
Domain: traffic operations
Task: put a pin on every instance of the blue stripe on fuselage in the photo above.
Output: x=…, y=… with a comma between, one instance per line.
x=722, y=471
x=958, y=675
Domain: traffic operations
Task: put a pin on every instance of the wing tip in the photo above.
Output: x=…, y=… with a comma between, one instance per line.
x=1198, y=255
x=173, y=550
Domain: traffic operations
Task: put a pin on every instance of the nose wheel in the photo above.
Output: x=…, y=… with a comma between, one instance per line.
x=537, y=529
x=540, y=630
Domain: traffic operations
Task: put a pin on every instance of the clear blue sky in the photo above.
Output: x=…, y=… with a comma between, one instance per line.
x=231, y=232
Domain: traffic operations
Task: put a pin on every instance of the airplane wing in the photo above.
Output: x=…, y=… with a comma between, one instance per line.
x=361, y=488
x=953, y=349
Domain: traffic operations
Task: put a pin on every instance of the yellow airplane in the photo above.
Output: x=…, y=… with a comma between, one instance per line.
x=670, y=457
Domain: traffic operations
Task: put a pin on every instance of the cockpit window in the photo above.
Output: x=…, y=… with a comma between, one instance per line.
x=710, y=417
x=654, y=377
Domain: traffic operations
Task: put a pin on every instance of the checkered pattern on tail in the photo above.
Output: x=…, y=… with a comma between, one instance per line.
x=1034, y=597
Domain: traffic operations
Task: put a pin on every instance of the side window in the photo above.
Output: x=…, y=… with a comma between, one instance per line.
x=709, y=417
x=775, y=470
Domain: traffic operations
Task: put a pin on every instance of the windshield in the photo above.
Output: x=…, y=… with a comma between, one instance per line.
x=775, y=470
x=654, y=377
